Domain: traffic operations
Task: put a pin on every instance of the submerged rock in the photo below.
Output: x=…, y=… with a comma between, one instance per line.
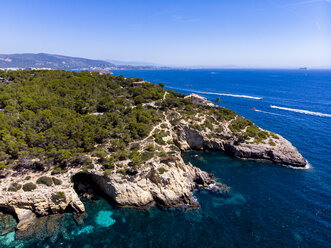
x=104, y=219
x=7, y=223
x=43, y=227
x=85, y=230
x=7, y=239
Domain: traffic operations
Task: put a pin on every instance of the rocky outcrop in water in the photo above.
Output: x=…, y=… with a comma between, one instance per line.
x=19, y=198
x=168, y=182
x=277, y=149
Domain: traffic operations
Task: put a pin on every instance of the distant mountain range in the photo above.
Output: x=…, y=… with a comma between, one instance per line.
x=53, y=61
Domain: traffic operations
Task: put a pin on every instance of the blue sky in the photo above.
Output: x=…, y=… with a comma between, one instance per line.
x=210, y=33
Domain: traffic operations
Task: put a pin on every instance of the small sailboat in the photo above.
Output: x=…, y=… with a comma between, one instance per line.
x=254, y=109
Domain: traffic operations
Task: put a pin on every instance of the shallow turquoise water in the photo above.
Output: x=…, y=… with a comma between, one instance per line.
x=268, y=205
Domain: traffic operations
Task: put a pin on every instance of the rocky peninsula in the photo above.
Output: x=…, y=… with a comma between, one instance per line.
x=70, y=133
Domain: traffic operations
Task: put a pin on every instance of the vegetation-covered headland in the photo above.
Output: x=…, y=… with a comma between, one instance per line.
x=63, y=132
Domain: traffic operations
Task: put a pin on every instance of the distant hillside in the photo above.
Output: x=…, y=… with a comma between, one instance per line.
x=53, y=61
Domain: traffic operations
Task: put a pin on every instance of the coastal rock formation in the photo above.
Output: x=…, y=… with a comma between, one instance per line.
x=26, y=204
x=277, y=149
x=168, y=182
x=283, y=153
x=125, y=144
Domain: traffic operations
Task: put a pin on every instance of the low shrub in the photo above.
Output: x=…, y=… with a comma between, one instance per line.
x=14, y=187
x=272, y=143
x=197, y=127
x=174, y=122
x=27, y=178
x=174, y=148
x=219, y=129
x=162, y=154
x=107, y=172
x=3, y=166
x=56, y=170
x=258, y=140
x=108, y=163
x=273, y=135
x=159, y=140
x=223, y=113
x=208, y=124
x=99, y=152
x=121, y=171
x=135, y=147
x=162, y=170
x=45, y=180
x=59, y=196
x=29, y=187
x=145, y=156
x=121, y=154
x=88, y=163
x=256, y=133
x=159, y=135
x=240, y=124
x=56, y=181
x=150, y=147
x=135, y=158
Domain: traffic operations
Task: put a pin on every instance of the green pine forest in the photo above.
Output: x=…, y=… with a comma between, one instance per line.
x=55, y=115
x=55, y=119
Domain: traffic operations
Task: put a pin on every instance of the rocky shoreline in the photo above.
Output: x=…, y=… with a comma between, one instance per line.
x=283, y=152
x=173, y=188
x=166, y=181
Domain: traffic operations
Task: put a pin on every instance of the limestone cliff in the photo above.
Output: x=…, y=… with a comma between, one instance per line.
x=162, y=179
x=278, y=150
x=168, y=182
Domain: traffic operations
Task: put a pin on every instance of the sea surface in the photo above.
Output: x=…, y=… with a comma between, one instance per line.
x=268, y=205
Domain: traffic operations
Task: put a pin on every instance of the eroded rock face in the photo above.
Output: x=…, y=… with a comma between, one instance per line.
x=281, y=151
x=168, y=183
x=44, y=200
x=284, y=152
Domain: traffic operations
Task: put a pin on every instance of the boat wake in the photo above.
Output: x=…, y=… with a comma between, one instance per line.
x=219, y=94
x=302, y=111
x=268, y=112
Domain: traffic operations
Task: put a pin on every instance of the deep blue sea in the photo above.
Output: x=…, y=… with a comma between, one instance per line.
x=268, y=205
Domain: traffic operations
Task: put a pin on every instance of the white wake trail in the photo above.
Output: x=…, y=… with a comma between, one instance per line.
x=268, y=112
x=301, y=111
x=220, y=94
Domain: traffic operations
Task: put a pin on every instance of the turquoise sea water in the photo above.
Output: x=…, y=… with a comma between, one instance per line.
x=268, y=205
